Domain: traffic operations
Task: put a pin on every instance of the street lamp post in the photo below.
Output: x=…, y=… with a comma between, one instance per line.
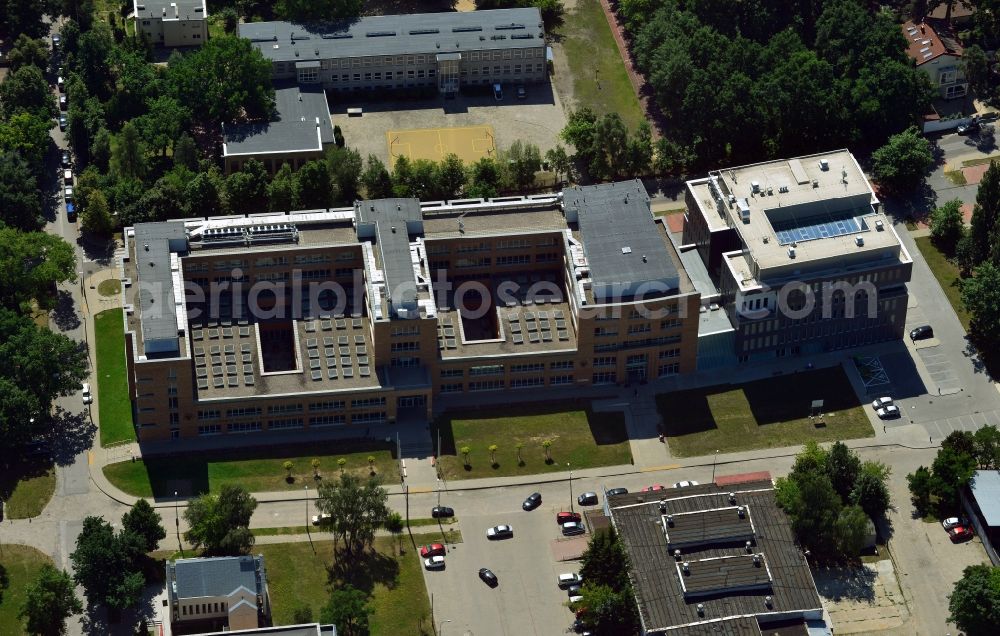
x=715, y=458
x=177, y=524
x=570, y=487
x=441, y=626
x=307, y=509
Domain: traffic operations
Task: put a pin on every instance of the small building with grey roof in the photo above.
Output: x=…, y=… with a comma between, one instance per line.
x=392, y=52
x=306, y=629
x=710, y=559
x=300, y=131
x=216, y=594
x=982, y=505
x=172, y=23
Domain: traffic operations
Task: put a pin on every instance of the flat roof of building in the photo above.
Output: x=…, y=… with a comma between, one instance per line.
x=797, y=210
x=620, y=237
x=435, y=33
x=302, y=124
x=155, y=280
x=218, y=576
x=170, y=9
x=702, y=527
x=985, y=487
x=726, y=581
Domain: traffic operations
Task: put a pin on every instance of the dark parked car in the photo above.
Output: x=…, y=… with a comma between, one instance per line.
x=62, y=122
x=439, y=512
x=923, y=332
x=617, y=491
x=533, y=501
x=970, y=128
x=573, y=590
x=67, y=161
x=587, y=499
x=488, y=577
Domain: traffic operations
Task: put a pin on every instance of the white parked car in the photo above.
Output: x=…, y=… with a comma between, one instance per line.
x=569, y=578
x=952, y=522
x=575, y=599
x=434, y=563
x=68, y=176
x=888, y=413
x=85, y=393
x=685, y=484
x=500, y=532
x=321, y=518
x=881, y=402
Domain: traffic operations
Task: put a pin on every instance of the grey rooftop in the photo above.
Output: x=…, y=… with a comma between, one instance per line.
x=156, y=289
x=624, y=247
x=985, y=487
x=302, y=124
x=398, y=34
x=219, y=576
x=170, y=9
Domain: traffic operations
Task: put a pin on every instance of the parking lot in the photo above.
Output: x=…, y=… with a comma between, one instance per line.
x=527, y=599
x=538, y=118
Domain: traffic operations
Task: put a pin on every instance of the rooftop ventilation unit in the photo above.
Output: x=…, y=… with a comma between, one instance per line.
x=749, y=547
x=626, y=250
x=824, y=165
x=744, y=207
x=677, y=555
x=670, y=520
x=755, y=186
x=791, y=252
x=782, y=188
x=380, y=34
x=423, y=31
x=859, y=241
x=768, y=601
x=879, y=226
x=701, y=609
x=815, y=183
x=508, y=27
x=466, y=29
x=741, y=511
x=686, y=567
x=732, y=497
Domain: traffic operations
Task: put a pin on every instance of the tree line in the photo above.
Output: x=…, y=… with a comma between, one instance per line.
x=938, y=488
x=740, y=81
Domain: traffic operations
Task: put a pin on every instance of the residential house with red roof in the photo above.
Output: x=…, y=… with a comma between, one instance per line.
x=934, y=49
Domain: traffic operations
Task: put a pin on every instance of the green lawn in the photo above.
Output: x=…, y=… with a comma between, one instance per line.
x=599, y=78
x=579, y=436
x=109, y=287
x=299, y=577
x=768, y=413
x=115, y=408
x=30, y=493
x=947, y=276
x=19, y=566
x=256, y=469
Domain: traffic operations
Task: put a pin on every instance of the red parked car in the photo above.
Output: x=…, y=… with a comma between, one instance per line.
x=654, y=488
x=961, y=533
x=565, y=517
x=434, y=549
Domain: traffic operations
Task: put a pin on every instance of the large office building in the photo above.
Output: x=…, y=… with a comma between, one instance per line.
x=714, y=559
x=369, y=314
x=422, y=50
x=172, y=24
x=802, y=256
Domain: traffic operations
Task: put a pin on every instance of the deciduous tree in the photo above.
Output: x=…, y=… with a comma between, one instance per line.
x=31, y=264
x=128, y=154
x=920, y=484
x=375, y=179
x=49, y=600
x=281, y=190
x=20, y=200
x=220, y=523
x=981, y=296
x=105, y=565
x=947, y=226
x=903, y=161
x=358, y=509
x=313, y=189
x=145, y=523
x=28, y=51
x=26, y=91
x=974, y=603
x=348, y=609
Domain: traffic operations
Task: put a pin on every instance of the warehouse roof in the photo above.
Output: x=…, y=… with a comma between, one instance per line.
x=729, y=580
x=398, y=34
x=985, y=487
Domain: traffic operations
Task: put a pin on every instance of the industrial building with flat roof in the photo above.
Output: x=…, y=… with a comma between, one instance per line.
x=804, y=258
x=714, y=559
x=369, y=314
x=389, y=52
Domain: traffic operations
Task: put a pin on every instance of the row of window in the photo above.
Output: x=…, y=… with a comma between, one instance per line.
x=514, y=368
x=439, y=248
x=197, y=609
x=515, y=383
x=396, y=347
